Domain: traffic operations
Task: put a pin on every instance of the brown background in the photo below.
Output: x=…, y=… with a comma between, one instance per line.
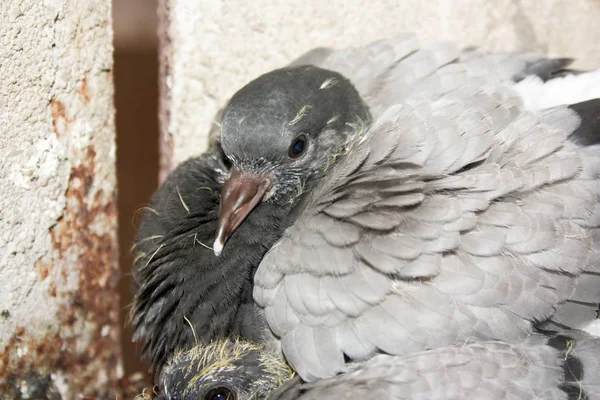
x=136, y=101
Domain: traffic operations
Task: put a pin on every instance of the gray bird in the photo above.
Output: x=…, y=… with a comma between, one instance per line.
x=430, y=206
x=551, y=366
x=184, y=295
x=226, y=369
x=559, y=367
x=408, y=200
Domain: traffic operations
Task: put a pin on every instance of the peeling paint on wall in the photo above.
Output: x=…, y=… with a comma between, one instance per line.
x=58, y=246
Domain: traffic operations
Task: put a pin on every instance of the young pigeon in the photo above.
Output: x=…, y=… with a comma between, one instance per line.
x=226, y=369
x=551, y=366
x=184, y=294
x=416, y=204
x=434, y=208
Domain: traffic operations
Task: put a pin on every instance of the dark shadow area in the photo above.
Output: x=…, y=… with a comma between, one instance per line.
x=137, y=165
x=136, y=101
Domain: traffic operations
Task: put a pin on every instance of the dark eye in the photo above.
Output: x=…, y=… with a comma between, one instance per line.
x=219, y=393
x=298, y=146
x=227, y=162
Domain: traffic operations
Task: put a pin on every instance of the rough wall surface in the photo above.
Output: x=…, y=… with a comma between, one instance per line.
x=58, y=252
x=215, y=46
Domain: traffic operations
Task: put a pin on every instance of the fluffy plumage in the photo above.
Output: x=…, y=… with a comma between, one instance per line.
x=441, y=246
x=184, y=294
x=559, y=367
x=432, y=208
x=457, y=214
x=223, y=370
x=548, y=365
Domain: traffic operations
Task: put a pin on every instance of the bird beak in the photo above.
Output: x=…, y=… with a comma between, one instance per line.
x=240, y=194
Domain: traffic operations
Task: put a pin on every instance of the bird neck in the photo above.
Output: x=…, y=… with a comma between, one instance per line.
x=226, y=306
x=185, y=294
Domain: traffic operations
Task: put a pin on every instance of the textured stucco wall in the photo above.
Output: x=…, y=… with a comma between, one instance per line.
x=212, y=47
x=58, y=252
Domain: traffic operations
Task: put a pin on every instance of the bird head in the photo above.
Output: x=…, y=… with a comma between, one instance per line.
x=280, y=133
x=227, y=369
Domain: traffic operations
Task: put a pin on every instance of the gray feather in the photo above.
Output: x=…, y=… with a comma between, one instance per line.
x=454, y=193
x=561, y=367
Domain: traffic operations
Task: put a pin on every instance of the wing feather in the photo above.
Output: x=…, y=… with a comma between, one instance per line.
x=458, y=215
x=559, y=367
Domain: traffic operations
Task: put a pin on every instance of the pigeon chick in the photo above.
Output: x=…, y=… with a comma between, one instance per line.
x=227, y=369
x=551, y=366
x=184, y=295
x=180, y=285
x=397, y=199
x=430, y=206
x=307, y=129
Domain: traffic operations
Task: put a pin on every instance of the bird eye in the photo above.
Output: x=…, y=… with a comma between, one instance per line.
x=227, y=162
x=298, y=146
x=219, y=393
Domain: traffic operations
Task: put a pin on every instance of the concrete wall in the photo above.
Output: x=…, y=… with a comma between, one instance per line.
x=212, y=47
x=58, y=250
